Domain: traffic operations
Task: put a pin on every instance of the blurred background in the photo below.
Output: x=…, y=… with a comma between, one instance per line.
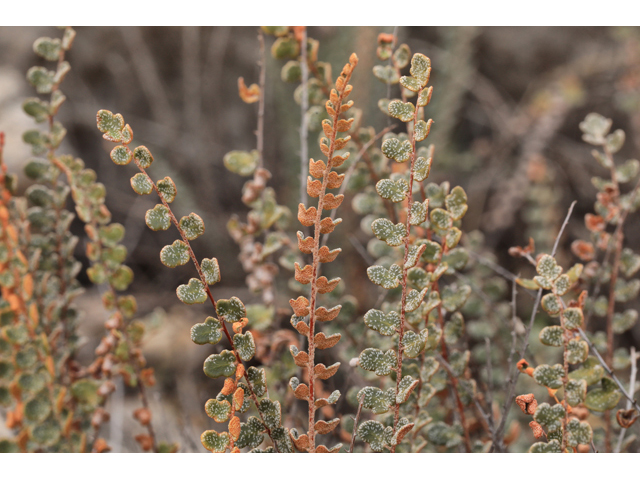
x=507, y=103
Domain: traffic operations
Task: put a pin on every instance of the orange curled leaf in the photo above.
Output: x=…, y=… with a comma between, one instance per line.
x=306, y=216
x=305, y=245
x=524, y=367
x=332, y=201
x=335, y=180
x=303, y=275
x=239, y=371
x=238, y=398
x=323, y=342
x=234, y=427
x=300, y=358
x=238, y=326
x=582, y=298
x=100, y=446
x=338, y=160
x=594, y=223
x=143, y=415
x=585, y=251
x=248, y=94
x=324, y=315
x=345, y=125
x=340, y=143
x=327, y=286
x=345, y=107
x=229, y=386
x=386, y=38
x=327, y=225
x=301, y=443
x=325, y=255
x=402, y=431
x=523, y=251
x=323, y=427
x=626, y=418
x=301, y=392
x=300, y=306
x=323, y=372
x=302, y=328
x=536, y=428
x=326, y=124
x=317, y=168
x=314, y=187
x=99, y=417
x=145, y=441
x=527, y=403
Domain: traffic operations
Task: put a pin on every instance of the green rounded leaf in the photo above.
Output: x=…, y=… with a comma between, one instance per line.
x=398, y=150
x=175, y=254
x=232, y=310
x=578, y=433
x=573, y=318
x=385, y=278
x=143, y=156
x=121, y=278
x=550, y=417
x=244, y=345
x=192, y=293
x=552, y=336
x=220, y=365
x=385, y=324
x=591, y=371
x=207, y=332
x=192, y=226
x=456, y=203
x=604, y=397
x=392, y=235
x=167, y=189
x=421, y=68
x=374, y=399
x=242, y=163
x=210, y=270
x=549, y=376
x=402, y=111
x=141, y=184
x=158, y=218
x=121, y=155
x=377, y=361
x=220, y=411
x=414, y=343
x=396, y=191
x=214, y=441
x=373, y=433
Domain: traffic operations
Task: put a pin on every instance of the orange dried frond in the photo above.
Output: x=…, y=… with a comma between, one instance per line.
x=249, y=94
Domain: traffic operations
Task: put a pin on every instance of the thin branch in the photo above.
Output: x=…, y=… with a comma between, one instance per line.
x=304, y=128
x=633, y=403
x=355, y=425
x=148, y=75
x=632, y=386
x=262, y=82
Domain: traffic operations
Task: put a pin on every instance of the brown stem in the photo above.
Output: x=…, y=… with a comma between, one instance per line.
x=262, y=81
x=355, y=426
x=304, y=107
